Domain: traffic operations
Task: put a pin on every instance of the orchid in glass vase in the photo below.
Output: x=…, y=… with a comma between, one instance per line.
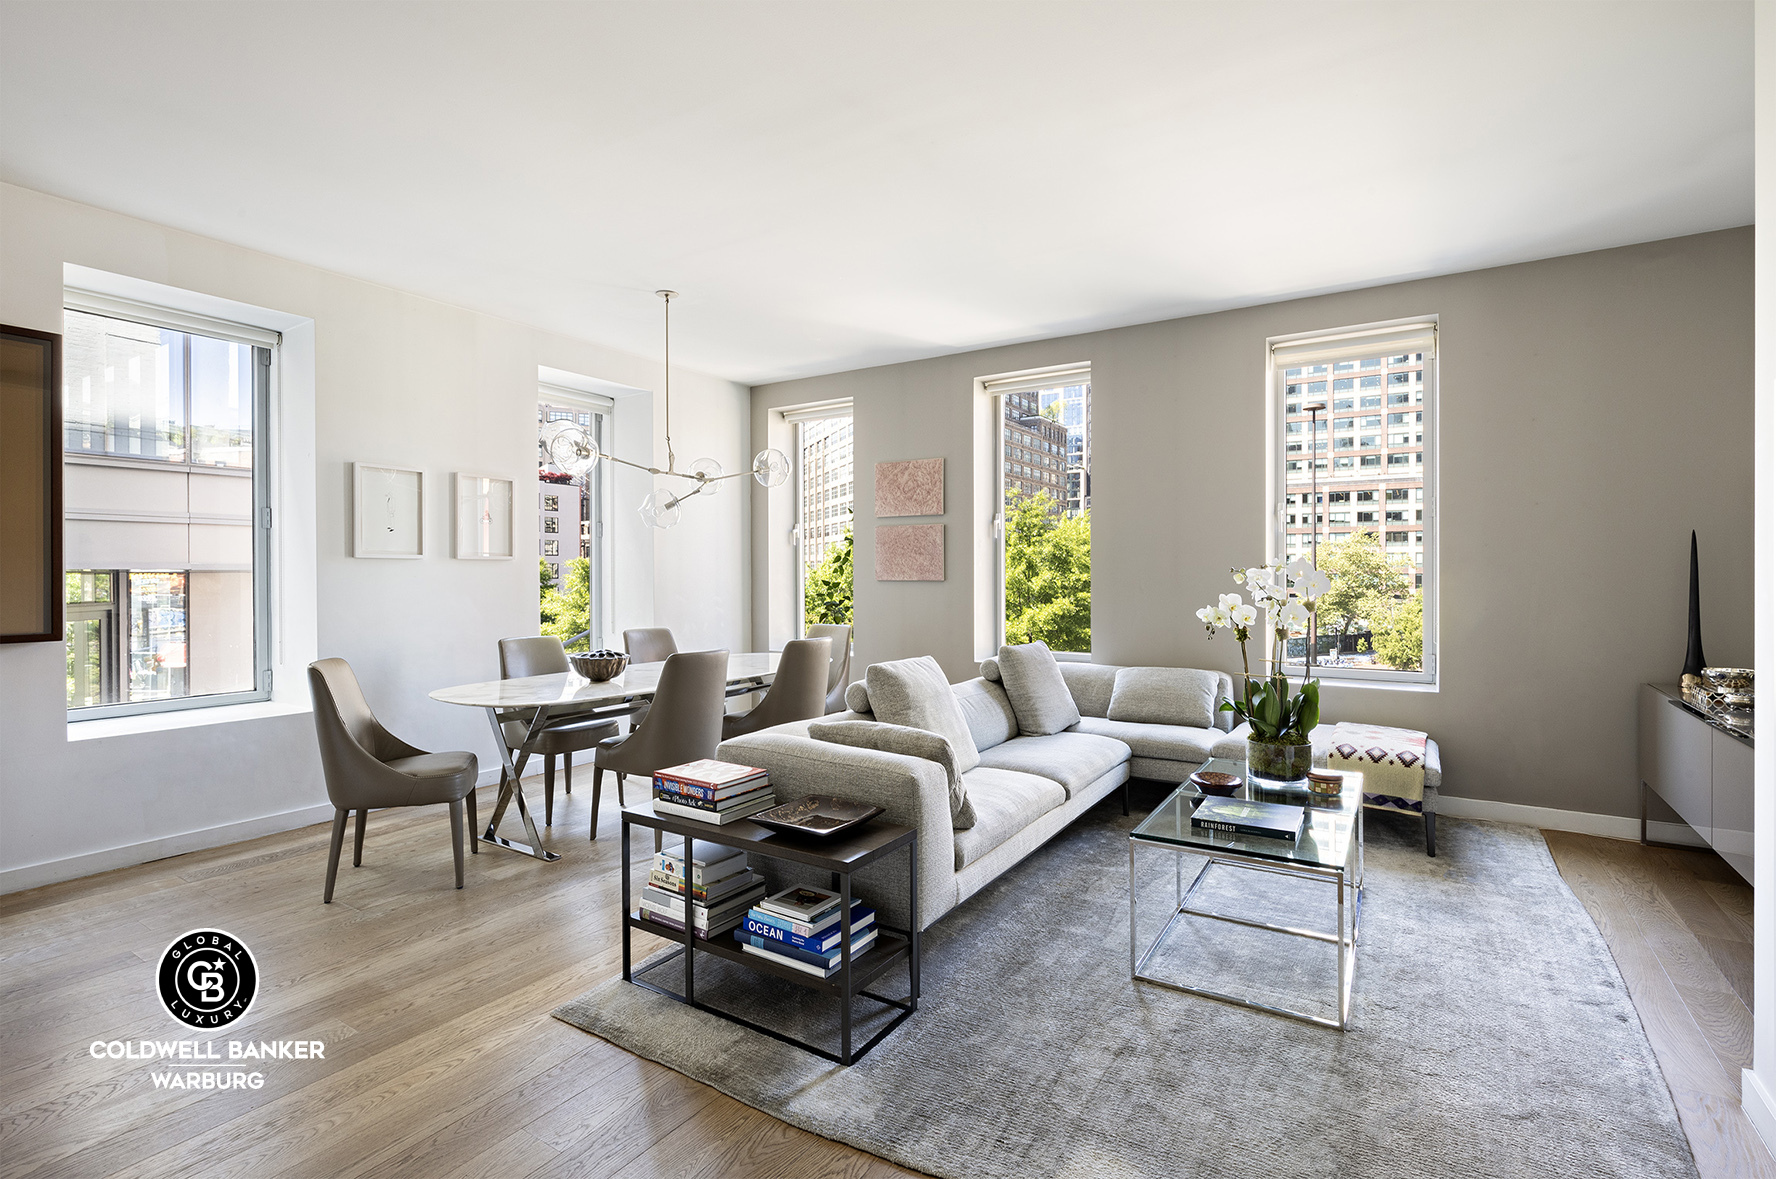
x=1281, y=720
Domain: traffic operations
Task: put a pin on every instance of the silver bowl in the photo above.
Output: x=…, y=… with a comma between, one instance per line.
x=1728, y=679
x=599, y=666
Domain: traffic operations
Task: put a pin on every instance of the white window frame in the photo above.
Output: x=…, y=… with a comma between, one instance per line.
x=601, y=408
x=266, y=344
x=1416, y=334
x=797, y=419
x=997, y=388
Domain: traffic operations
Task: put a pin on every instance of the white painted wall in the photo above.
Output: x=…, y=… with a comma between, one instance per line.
x=1760, y=1080
x=400, y=379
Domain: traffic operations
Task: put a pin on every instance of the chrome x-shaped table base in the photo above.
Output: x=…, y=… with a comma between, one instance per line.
x=512, y=791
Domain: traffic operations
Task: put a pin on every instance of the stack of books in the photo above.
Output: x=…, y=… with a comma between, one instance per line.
x=719, y=890
x=712, y=791
x=799, y=928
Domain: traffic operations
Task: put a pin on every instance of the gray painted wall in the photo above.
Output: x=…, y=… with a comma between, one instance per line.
x=1595, y=409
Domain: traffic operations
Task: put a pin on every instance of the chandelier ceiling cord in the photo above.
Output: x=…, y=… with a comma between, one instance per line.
x=571, y=449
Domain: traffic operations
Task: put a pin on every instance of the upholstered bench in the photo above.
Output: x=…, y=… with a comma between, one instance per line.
x=1234, y=746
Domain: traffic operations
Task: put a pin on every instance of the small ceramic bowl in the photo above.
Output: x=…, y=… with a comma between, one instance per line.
x=1729, y=679
x=599, y=666
x=1215, y=782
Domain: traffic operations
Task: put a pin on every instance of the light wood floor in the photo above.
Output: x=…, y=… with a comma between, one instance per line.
x=441, y=1058
x=1679, y=925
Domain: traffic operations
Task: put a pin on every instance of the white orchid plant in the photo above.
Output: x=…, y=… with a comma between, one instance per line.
x=1289, y=594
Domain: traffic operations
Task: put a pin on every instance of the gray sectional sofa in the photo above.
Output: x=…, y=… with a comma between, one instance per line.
x=1024, y=790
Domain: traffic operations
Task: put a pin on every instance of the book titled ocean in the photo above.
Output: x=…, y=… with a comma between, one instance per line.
x=776, y=929
x=1240, y=816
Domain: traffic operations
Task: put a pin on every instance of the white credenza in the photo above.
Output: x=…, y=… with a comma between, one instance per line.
x=1701, y=769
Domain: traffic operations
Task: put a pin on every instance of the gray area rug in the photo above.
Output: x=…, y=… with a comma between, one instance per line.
x=1491, y=1032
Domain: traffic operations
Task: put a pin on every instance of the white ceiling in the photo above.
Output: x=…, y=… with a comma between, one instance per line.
x=835, y=185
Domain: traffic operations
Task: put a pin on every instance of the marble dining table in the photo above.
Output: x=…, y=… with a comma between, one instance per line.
x=539, y=701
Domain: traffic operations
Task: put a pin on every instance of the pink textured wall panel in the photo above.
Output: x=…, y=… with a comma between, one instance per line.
x=910, y=552
x=911, y=488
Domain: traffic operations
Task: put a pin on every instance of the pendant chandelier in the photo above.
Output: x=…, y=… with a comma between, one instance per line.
x=571, y=449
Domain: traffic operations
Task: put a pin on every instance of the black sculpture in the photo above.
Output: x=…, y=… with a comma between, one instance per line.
x=1693, y=658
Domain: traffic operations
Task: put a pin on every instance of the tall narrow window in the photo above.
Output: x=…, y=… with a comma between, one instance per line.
x=570, y=525
x=1044, y=521
x=823, y=518
x=168, y=515
x=1379, y=622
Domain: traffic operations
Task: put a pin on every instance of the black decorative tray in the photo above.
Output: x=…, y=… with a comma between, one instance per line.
x=816, y=816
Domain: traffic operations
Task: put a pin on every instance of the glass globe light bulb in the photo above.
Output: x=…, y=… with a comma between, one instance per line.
x=570, y=448
x=712, y=470
x=658, y=510
x=770, y=467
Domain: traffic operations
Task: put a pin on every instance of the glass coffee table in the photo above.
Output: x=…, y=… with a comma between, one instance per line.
x=1329, y=849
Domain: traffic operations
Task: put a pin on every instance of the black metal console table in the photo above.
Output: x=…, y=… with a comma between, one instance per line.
x=840, y=857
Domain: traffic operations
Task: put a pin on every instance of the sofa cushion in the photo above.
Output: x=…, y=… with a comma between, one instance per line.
x=1038, y=694
x=857, y=697
x=1005, y=802
x=915, y=693
x=1091, y=685
x=1164, y=696
x=987, y=710
x=1073, y=759
x=908, y=742
x=1165, y=742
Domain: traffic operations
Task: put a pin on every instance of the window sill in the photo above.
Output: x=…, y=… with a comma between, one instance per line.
x=188, y=718
x=1372, y=685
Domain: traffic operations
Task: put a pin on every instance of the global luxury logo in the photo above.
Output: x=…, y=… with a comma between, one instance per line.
x=207, y=978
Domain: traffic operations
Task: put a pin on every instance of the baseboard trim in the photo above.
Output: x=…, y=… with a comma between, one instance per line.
x=1554, y=819
x=1755, y=1100
x=131, y=854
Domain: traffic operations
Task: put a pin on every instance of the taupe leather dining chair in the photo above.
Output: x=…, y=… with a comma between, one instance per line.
x=683, y=724
x=367, y=766
x=544, y=655
x=797, y=693
x=841, y=661
x=649, y=644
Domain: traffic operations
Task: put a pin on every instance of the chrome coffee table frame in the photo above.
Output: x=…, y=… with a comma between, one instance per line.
x=1219, y=849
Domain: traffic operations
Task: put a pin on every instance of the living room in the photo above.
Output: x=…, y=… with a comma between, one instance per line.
x=1525, y=231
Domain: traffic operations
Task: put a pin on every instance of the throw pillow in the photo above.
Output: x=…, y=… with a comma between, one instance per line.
x=990, y=670
x=1164, y=696
x=857, y=697
x=910, y=743
x=915, y=693
x=1037, y=690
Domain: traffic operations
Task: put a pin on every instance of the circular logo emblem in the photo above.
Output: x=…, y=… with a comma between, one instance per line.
x=207, y=978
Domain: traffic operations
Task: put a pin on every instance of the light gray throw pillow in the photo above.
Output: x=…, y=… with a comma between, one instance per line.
x=916, y=693
x=990, y=669
x=1164, y=696
x=909, y=742
x=857, y=697
x=1037, y=690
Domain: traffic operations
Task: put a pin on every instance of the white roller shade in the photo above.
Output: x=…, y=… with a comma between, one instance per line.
x=1041, y=378
x=837, y=408
x=574, y=398
x=1296, y=353
x=165, y=317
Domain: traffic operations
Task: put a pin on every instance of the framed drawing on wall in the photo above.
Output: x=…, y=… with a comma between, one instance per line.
x=483, y=517
x=389, y=510
x=30, y=486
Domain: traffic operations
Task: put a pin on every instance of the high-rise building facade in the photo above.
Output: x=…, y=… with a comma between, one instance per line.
x=1368, y=444
x=564, y=503
x=1036, y=450
x=826, y=487
x=1075, y=414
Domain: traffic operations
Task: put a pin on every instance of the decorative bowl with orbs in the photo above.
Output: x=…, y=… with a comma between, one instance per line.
x=599, y=666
